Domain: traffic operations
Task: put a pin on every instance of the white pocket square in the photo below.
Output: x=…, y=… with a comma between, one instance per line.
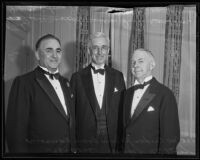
x=150, y=109
x=115, y=90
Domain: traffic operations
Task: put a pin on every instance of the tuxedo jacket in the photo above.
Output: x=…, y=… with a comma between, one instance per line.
x=36, y=120
x=85, y=102
x=154, y=126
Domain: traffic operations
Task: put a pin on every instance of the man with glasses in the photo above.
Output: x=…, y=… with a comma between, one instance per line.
x=98, y=91
x=40, y=115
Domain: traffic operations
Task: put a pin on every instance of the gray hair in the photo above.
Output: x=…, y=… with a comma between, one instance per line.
x=98, y=35
x=149, y=53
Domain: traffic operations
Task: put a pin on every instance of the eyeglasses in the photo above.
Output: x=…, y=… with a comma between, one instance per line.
x=104, y=49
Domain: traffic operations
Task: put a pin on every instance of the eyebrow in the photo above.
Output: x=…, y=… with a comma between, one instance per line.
x=52, y=48
x=139, y=59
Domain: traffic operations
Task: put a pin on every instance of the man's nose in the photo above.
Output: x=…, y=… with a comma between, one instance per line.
x=99, y=51
x=54, y=53
x=135, y=65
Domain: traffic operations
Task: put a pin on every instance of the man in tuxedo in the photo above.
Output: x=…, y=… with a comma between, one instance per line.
x=41, y=115
x=98, y=92
x=151, y=120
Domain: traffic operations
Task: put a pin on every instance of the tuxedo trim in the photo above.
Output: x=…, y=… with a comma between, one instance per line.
x=146, y=98
x=89, y=88
x=49, y=90
x=109, y=82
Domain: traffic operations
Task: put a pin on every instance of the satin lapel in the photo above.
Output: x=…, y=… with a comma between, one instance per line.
x=89, y=88
x=109, y=88
x=146, y=98
x=67, y=94
x=128, y=104
x=48, y=88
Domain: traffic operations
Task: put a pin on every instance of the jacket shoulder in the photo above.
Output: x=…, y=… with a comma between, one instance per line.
x=161, y=88
x=81, y=72
x=26, y=76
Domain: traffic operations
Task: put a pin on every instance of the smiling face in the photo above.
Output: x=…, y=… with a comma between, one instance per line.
x=99, y=50
x=49, y=54
x=142, y=65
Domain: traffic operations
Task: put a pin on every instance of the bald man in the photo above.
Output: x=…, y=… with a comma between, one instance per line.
x=151, y=121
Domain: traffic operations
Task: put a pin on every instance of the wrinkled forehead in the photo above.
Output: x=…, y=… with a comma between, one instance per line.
x=100, y=41
x=140, y=55
x=49, y=43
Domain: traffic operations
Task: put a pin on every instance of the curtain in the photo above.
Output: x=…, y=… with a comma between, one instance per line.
x=154, y=37
x=187, y=96
x=82, y=37
x=121, y=25
x=137, y=39
x=173, y=41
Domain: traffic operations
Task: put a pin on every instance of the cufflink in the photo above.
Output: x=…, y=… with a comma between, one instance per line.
x=150, y=109
x=115, y=90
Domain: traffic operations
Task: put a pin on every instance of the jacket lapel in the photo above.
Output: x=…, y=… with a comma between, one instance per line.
x=89, y=88
x=128, y=104
x=108, y=90
x=143, y=103
x=49, y=90
x=66, y=91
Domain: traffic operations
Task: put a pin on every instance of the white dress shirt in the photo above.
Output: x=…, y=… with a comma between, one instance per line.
x=99, y=84
x=138, y=94
x=57, y=87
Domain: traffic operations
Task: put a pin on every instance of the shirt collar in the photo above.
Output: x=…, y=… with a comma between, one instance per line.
x=48, y=70
x=145, y=80
x=101, y=67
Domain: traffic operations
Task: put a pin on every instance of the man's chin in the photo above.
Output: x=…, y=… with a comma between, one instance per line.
x=54, y=67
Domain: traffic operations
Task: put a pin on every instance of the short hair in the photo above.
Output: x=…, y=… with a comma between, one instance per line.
x=45, y=37
x=148, y=52
x=98, y=35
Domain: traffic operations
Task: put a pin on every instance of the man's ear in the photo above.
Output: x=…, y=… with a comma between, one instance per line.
x=37, y=55
x=152, y=65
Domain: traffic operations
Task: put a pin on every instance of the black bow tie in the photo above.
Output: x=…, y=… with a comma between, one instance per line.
x=101, y=71
x=51, y=75
x=141, y=86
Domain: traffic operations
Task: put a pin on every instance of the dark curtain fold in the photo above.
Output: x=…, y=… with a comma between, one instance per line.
x=172, y=52
x=82, y=37
x=136, y=40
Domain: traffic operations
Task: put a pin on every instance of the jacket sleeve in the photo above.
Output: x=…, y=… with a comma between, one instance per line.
x=17, y=117
x=169, y=125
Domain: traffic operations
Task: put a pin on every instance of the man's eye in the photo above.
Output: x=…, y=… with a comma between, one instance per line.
x=105, y=48
x=95, y=47
x=48, y=50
